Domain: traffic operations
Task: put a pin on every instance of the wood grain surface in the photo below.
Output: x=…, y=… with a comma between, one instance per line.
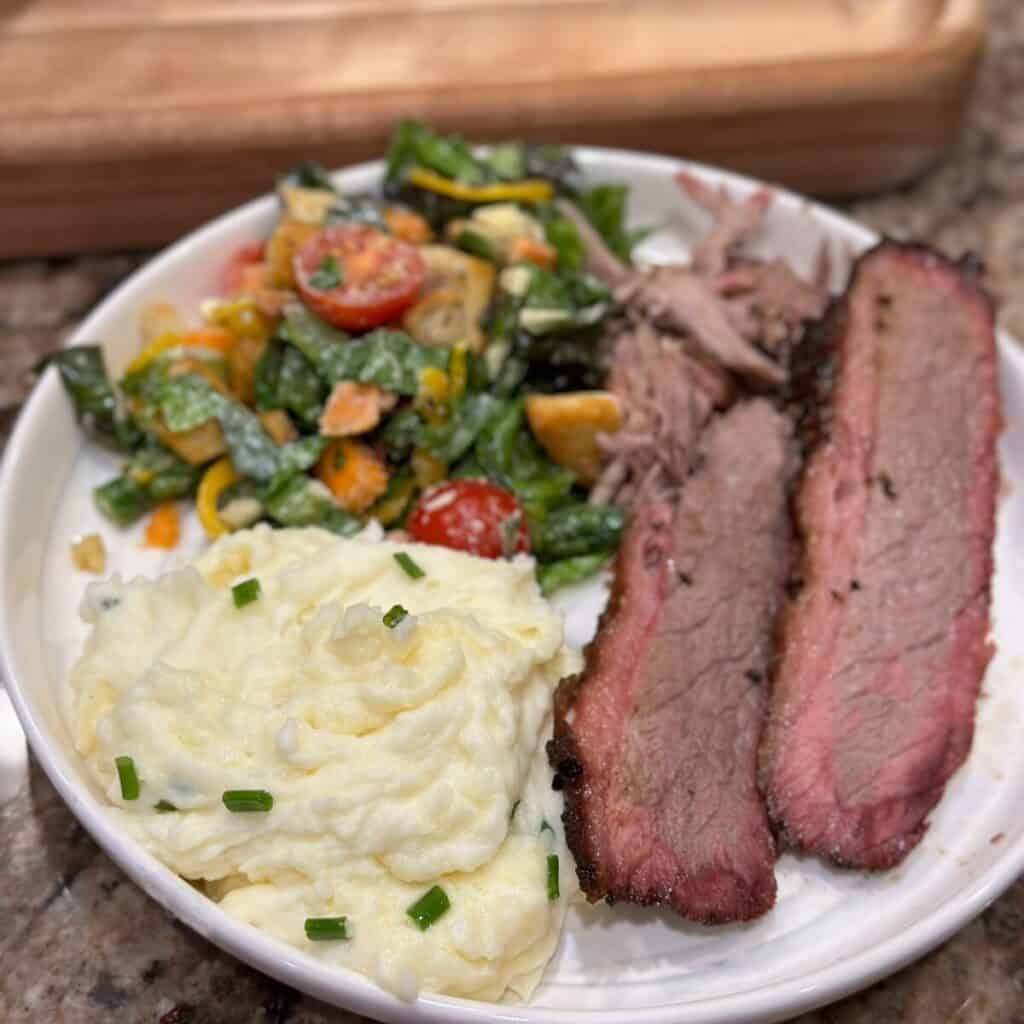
x=126, y=122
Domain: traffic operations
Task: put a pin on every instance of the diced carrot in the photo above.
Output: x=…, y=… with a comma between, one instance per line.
x=408, y=226
x=529, y=251
x=164, y=527
x=215, y=339
x=353, y=474
x=201, y=368
x=279, y=426
x=218, y=339
x=352, y=409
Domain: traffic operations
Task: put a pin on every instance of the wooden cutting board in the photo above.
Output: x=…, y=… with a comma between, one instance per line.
x=126, y=122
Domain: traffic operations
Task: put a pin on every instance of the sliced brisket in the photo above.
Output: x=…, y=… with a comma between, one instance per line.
x=884, y=648
x=656, y=741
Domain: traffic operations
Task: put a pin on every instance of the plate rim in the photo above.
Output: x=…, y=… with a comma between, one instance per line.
x=764, y=1003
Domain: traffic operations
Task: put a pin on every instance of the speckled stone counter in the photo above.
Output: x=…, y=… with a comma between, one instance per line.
x=78, y=941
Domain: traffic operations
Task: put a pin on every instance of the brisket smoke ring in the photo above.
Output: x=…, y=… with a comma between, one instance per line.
x=882, y=649
x=658, y=756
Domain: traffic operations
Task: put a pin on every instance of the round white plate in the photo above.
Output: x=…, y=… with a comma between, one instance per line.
x=831, y=932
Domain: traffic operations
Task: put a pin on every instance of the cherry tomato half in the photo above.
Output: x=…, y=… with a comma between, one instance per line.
x=248, y=255
x=357, y=277
x=470, y=515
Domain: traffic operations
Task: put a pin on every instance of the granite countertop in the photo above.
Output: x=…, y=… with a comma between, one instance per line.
x=80, y=943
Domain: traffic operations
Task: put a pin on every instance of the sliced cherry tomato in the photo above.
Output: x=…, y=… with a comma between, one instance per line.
x=357, y=277
x=248, y=255
x=470, y=515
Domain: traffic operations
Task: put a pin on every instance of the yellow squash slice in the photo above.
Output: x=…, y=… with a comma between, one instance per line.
x=567, y=427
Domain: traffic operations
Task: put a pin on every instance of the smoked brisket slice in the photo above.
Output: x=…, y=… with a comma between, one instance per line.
x=884, y=648
x=656, y=740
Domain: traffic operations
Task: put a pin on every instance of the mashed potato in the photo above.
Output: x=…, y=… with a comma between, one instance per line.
x=398, y=758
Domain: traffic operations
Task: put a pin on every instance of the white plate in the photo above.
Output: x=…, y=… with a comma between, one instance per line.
x=831, y=931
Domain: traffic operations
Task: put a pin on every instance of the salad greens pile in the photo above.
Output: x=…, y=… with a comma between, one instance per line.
x=301, y=402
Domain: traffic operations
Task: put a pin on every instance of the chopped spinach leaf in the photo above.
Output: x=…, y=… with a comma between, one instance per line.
x=97, y=405
x=564, y=237
x=402, y=433
x=554, y=163
x=414, y=144
x=300, y=500
x=605, y=207
x=164, y=475
x=188, y=400
x=388, y=358
x=467, y=468
x=308, y=174
x=302, y=454
x=507, y=161
x=450, y=440
x=358, y=209
x=285, y=379
x=561, y=303
x=508, y=454
x=266, y=377
x=298, y=387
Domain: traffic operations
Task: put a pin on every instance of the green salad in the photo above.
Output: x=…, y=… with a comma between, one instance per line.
x=429, y=355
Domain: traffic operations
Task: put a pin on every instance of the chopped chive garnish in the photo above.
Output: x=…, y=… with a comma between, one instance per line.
x=394, y=615
x=128, y=778
x=245, y=801
x=412, y=570
x=245, y=592
x=325, y=929
x=544, y=826
x=553, y=876
x=328, y=274
x=164, y=807
x=431, y=906
x=515, y=807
